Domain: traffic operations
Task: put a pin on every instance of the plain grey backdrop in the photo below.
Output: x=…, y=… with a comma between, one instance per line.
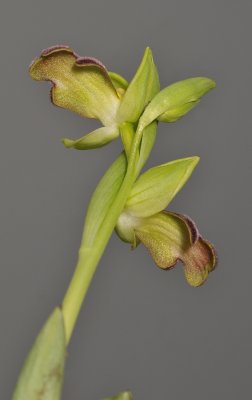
x=141, y=328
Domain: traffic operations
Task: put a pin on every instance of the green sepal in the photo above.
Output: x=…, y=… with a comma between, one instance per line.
x=97, y=138
x=175, y=100
x=118, y=80
x=103, y=198
x=42, y=374
x=155, y=188
x=143, y=87
x=121, y=396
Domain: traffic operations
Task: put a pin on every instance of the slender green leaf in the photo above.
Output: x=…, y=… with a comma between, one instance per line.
x=41, y=377
x=118, y=80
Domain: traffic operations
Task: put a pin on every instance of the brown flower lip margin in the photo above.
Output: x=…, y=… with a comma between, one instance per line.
x=191, y=225
x=195, y=237
x=79, y=60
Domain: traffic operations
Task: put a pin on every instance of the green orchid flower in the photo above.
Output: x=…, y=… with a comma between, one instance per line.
x=169, y=237
x=83, y=85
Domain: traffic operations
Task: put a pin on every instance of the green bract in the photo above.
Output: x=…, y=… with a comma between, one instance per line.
x=106, y=191
x=132, y=203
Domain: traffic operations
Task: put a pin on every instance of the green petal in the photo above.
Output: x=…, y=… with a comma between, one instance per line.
x=98, y=138
x=80, y=84
x=140, y=91
x=42, y=374
x=176, y=100
x=171, y=238
x=118, y=80
x=155, y=188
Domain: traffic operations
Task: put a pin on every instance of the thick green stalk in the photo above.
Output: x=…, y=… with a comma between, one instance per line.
x=89, y=257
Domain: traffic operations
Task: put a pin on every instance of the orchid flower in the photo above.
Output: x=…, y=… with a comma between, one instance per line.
x=83, y=85
x=169, y=237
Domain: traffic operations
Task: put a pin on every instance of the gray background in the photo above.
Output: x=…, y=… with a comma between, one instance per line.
x=141, y=328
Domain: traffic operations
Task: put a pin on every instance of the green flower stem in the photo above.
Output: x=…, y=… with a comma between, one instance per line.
x=89, y=258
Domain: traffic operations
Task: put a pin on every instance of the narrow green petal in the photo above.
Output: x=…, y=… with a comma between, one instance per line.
x=173, y=237
x=176, y=100
x=118, y=80
x=80, y=84
x=42, y=374
x=140, y=91
x=155, y=188
x=98, y=138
